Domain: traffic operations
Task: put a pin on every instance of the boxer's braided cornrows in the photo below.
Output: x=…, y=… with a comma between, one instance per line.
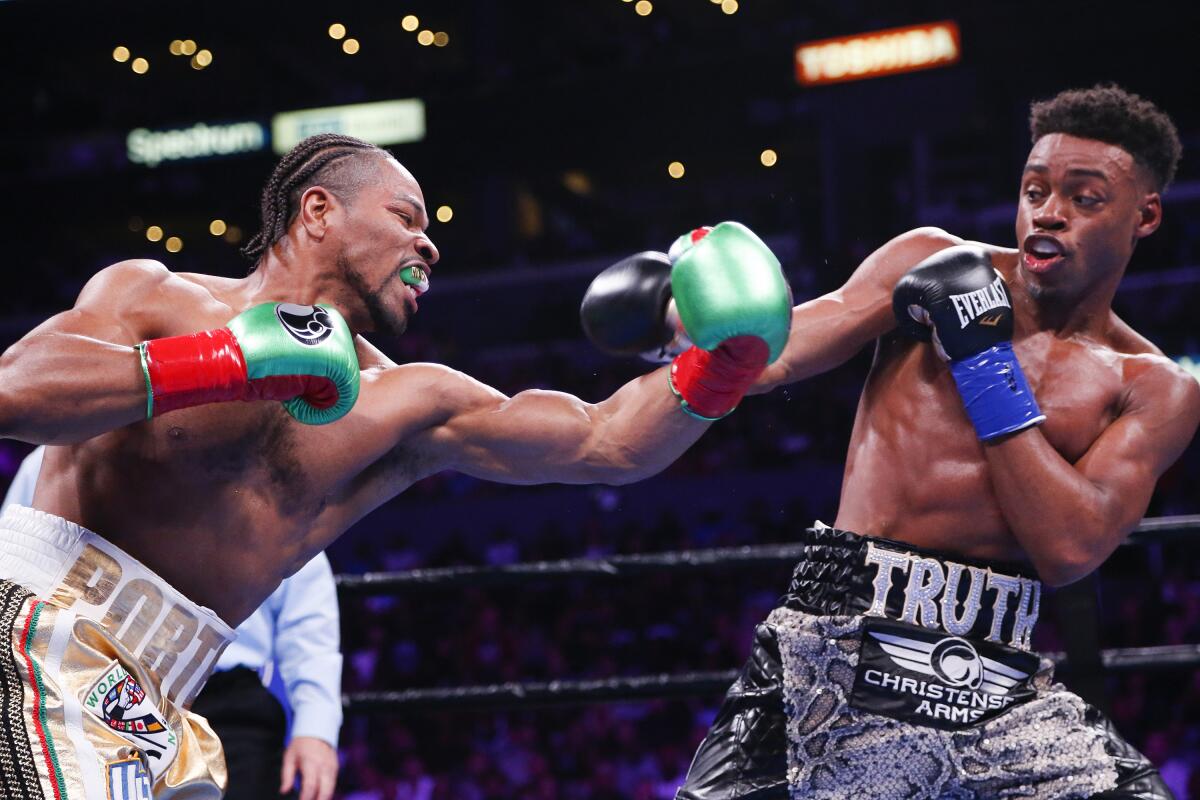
x=316, y=160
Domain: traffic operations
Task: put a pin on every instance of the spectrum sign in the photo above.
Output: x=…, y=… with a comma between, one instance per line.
x=872, y=55
x=201, y=140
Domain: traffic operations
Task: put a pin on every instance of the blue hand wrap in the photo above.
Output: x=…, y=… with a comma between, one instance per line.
x=995, y=392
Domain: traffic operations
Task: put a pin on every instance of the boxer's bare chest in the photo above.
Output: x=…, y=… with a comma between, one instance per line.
x=916, y=469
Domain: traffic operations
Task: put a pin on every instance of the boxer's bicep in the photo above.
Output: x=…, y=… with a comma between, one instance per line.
x=829, y=330
x=1128, y=458
x=77, y=374
x=540, y=436
x=535, y=436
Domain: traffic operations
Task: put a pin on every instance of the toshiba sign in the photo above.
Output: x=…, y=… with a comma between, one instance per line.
x=870, y=55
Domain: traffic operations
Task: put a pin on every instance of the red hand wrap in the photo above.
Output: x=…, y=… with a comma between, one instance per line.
x=712, y=383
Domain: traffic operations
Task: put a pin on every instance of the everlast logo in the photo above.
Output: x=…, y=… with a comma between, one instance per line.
x=932, y=591
x=972, y=304
x=144, y=620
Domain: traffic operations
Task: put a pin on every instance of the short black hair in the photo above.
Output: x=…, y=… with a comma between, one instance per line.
x=324, y=159
x=1108, y=113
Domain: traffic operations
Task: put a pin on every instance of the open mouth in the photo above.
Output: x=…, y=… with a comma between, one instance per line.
x=1042, y=252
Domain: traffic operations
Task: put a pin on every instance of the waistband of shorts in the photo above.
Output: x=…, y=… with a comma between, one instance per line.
x=71, y=567
x=846, y=573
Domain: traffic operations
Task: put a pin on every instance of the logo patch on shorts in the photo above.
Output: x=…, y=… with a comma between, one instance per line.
x=120, y=702
x=128, y=780
x=308, y=325
x=926, y=677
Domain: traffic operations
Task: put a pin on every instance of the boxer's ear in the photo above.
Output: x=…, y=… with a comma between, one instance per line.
x=316, y=208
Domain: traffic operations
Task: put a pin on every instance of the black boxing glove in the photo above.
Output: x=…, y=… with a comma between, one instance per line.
x=956, y=298
x=628, y=310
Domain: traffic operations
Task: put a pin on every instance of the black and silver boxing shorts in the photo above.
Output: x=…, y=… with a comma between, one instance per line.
x=889, y=671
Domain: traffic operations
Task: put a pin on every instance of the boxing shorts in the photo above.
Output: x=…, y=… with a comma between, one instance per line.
x=104, y=658
x=889, y=671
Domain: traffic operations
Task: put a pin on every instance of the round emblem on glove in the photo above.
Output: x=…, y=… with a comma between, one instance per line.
x=308, y=325
x=956, y=662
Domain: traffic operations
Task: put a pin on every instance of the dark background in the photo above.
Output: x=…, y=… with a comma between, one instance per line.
x=550, y=127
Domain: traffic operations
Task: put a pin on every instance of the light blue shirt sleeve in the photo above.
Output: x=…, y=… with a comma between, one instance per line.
x=307, y=642
x=20, y=491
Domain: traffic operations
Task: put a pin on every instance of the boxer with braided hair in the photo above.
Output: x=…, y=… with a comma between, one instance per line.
x=339, y=163
x=205, y=508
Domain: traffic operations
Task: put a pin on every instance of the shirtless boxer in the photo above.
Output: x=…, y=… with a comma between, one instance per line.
x=898, y=663
x=162, y=516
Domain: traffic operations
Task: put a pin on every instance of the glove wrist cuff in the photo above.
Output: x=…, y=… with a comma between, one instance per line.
x=191, y=370
x=995, y=392
x=710, y=384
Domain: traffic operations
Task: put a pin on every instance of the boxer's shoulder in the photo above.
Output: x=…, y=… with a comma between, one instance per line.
x=886, y=265
x=147, y=299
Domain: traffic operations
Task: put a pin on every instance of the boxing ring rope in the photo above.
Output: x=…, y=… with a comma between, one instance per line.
x=541, y=694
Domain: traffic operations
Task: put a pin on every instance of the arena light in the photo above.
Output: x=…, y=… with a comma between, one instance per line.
x=729, y=6
x=675, y=169
x=187, y=47
x=382, y=123
x=203, y=58
x=140, y=65
x=879, y=53
x=441, y=39
x=233, y=235
x=768, y=157
x=120, y=54
x=176, y=47
x=350, y=46
x=643, y=8
x=410, y=23
x=151, y=148
x=577, y=182
x=174, y=244
x=445, y=213
x=217, y=227
x=154, y=233
x=425, y=38
x=337, y=31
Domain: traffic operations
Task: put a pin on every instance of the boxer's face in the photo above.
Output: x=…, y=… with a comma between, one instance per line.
x=1083, y=206
x=382, y=233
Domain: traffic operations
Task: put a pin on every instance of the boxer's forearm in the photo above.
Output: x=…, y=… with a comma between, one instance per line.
x=826, y=333
x=1066, y=523
x=642, y=431
x=62, y=388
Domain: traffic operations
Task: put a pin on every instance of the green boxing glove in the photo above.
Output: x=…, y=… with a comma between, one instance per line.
x=736, y=306
x=301, y=355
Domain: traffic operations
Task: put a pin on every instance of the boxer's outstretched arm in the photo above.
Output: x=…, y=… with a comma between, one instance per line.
x=827, y=331
x=1070, y=517
x=541, y=436
x=77, y=375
